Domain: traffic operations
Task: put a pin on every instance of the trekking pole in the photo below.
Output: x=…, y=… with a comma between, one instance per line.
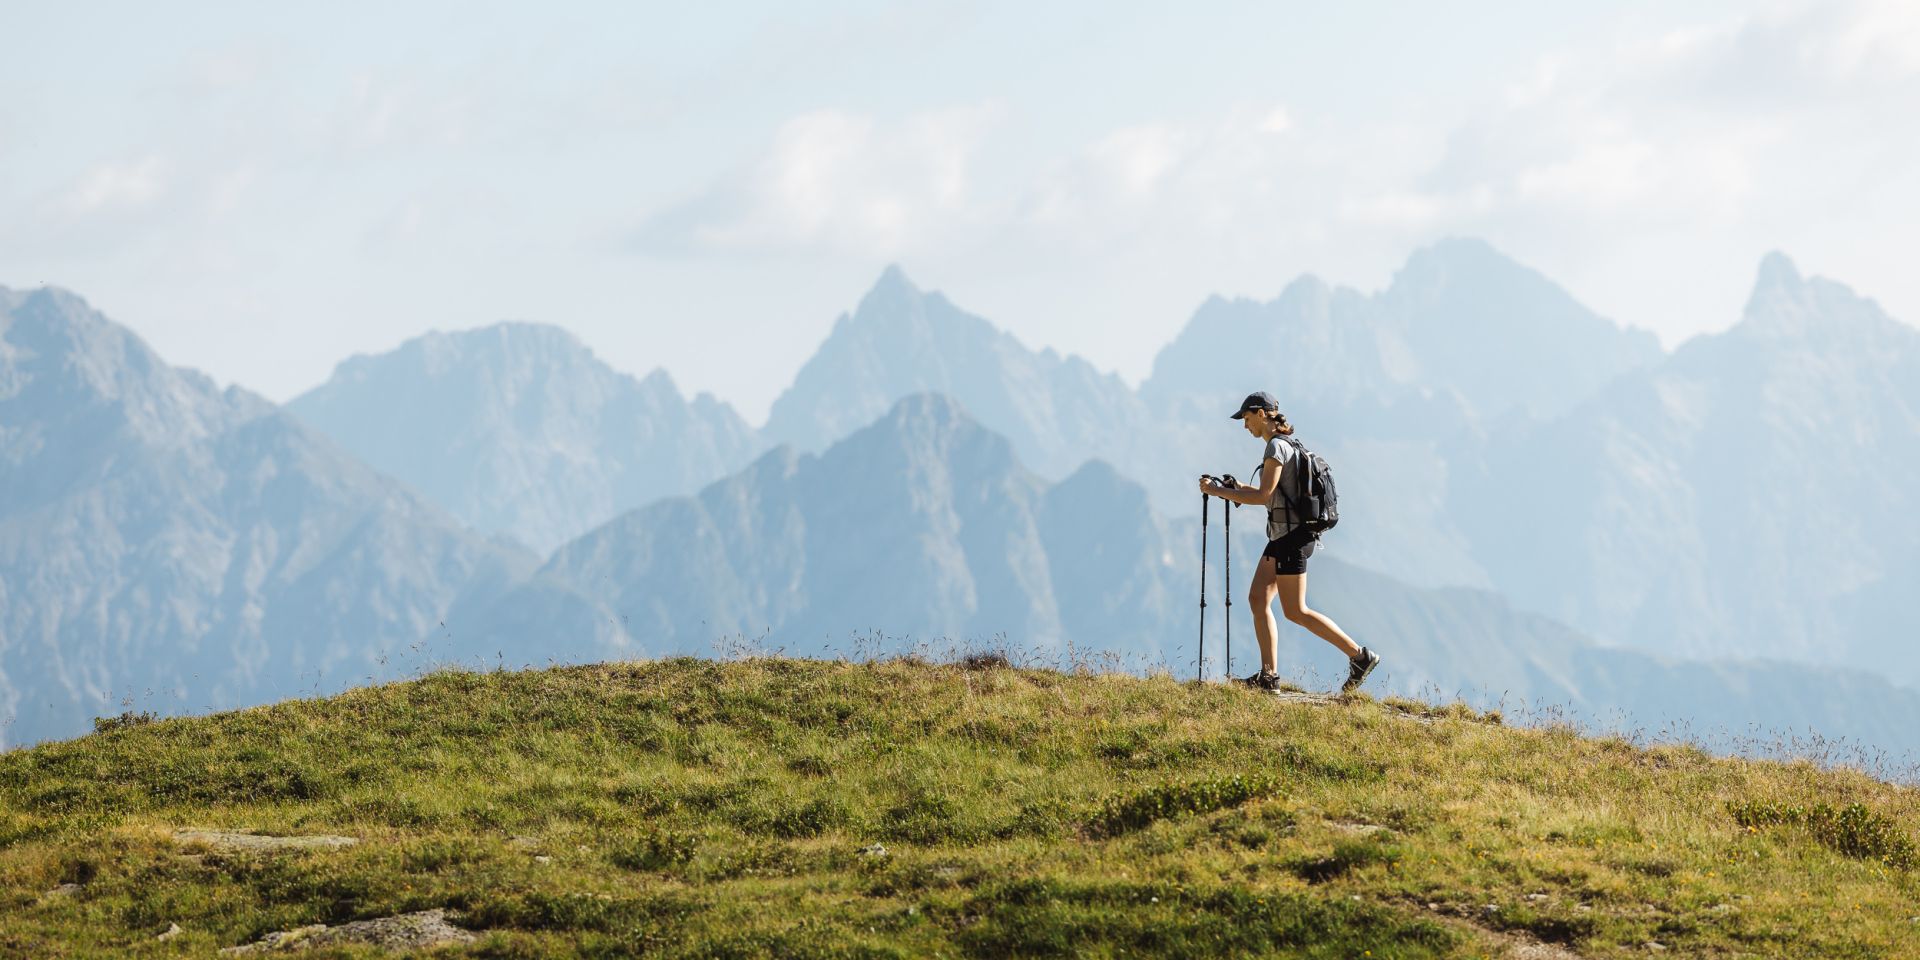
x=1200, y=651
x=1227, y=538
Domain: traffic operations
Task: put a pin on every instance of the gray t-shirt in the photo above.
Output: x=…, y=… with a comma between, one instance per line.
x=1280, y=519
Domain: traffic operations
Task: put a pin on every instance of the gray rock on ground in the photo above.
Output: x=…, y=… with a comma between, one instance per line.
x=225, y=840
x=408, y=931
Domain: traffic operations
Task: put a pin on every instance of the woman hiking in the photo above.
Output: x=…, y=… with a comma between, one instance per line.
x=1283, y=565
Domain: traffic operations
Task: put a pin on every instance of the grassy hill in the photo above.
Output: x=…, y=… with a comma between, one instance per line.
x=774, y=807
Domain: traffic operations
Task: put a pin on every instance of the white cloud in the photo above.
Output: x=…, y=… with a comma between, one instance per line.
x=1705, y=121
x=109, y=187
x=1636, y=169
x=833, y=181
x=1596, y=162
x=1163, y=179
x=1132, y=162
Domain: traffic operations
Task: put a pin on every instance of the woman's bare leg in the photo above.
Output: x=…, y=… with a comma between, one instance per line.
x=1266, y=630
x=1293, y=601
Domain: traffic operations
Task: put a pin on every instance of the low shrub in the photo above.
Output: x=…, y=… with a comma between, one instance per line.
x=1125, y=813
x=655, y=850
x=1852, y=830
x=127, y=719
x=1345, y=857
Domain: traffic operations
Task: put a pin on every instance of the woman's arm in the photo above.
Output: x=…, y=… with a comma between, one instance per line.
x=1269, y=482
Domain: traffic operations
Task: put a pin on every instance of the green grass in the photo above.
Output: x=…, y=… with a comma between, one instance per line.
x=1140, y=808
x=774, y=807
x=1853, y=830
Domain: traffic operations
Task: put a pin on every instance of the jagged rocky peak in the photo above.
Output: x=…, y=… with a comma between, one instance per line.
x=1785, y=303
x=926, y=427
x=893, y=279
x=1453, y=254
x=1779, y=289
x=658, y=382
x=1472, y=270
x=58, y=355
x=1777, y=272
x=55, y=326
x=518, y=428
x=506, y=344
x=895, y=298
x=891, y=294
x=1307, y=288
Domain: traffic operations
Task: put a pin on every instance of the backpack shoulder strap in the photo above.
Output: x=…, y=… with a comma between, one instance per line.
x=1299, y=453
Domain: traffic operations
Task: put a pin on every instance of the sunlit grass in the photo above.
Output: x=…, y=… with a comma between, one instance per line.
x=775, y=807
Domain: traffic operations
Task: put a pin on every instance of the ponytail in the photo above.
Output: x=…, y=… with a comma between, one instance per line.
x=1286, y=429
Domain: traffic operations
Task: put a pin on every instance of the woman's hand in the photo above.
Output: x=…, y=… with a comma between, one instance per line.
x=1210, y=487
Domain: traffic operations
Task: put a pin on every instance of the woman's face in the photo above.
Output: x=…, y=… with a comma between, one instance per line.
x=1256, y=422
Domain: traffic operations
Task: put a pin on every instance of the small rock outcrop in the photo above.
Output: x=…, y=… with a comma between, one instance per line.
x=224, y=840
x=408, y=931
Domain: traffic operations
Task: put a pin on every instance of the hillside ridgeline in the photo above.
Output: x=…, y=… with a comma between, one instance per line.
x=776, y=807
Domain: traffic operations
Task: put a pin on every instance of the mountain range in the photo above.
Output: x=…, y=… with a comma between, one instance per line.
x=1751, y=492
x=1488, y=431
x=924, y=530
x=1529, y=492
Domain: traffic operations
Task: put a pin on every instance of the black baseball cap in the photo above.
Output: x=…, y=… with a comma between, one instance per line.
x=1258, y=400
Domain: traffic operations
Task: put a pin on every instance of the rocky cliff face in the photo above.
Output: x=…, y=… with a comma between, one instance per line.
x=167, y=544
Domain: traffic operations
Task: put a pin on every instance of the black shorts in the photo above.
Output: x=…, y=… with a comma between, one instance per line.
x=1291, y=550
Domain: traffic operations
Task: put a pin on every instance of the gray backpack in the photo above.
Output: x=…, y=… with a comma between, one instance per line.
x=1312, y=498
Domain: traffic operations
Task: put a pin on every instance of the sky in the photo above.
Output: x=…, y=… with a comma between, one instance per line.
x=262, y=190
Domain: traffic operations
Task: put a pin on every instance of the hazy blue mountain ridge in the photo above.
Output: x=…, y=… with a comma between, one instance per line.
x=1752, y=491
x=1489, y=431
x=1421, y=395
x=1397, y=389
x=1057, y=411
x=182, y=547
x=921, y=523
x=510, y=427
x=519, y=429
x=1467, y=311
x=1345, y=365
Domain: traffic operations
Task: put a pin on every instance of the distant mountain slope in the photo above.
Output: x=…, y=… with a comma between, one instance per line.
x=1459, y=319
x=1395, y=388
x=1501, y=335
x=923, y=528
x=519, y=429
x=1488, y=431
x=180, y=546
x=922, y=523
x=1753, y=491
x=1056, y=411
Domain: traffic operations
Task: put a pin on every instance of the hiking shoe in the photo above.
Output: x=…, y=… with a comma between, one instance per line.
x=1358, y=668
x=1261, y=681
